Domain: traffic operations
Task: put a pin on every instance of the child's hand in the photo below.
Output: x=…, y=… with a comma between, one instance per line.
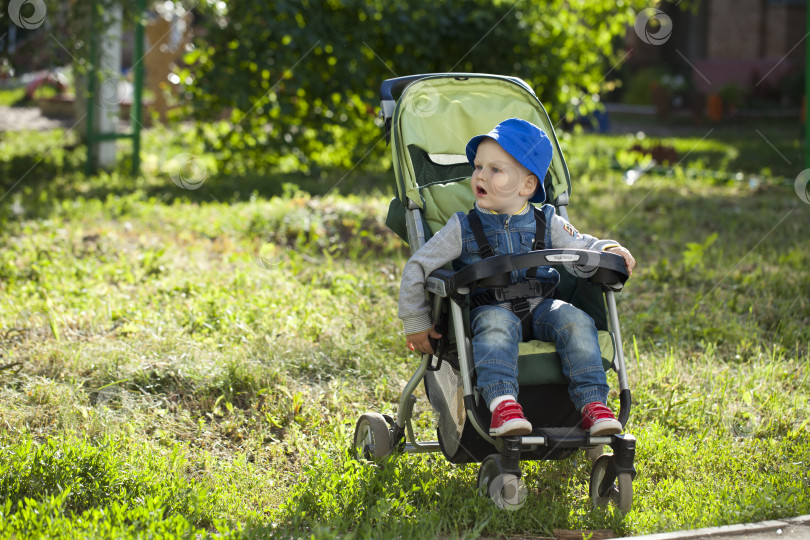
x=421, y=342
x=629, y=261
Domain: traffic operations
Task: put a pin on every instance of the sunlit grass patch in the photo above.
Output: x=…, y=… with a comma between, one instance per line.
x=67, y=486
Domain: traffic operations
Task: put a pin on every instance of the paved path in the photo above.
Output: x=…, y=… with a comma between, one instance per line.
x=16, y=118
x=797, y=528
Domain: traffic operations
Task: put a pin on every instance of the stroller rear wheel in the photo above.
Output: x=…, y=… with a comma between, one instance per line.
x=603, y=489
x=506, y=489
x=372, y=438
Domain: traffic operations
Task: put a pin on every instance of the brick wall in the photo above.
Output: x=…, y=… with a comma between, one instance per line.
x=735, y=29
x=754, y=29
x=775, y=37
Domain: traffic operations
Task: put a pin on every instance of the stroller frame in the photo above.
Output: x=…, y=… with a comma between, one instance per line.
x=377, y=436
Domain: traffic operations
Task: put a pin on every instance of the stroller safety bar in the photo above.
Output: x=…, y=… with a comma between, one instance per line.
x=602, y=268
x=438, y=282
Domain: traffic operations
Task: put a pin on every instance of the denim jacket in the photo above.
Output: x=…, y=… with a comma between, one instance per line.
x=506, y=234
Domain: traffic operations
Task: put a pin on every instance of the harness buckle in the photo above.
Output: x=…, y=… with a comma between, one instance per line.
x=520, y=307
x=530, y=288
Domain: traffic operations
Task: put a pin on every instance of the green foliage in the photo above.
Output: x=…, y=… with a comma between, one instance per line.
x=300, y=80
x=64, y=35
x=12, y=97
x=68, y=487
x=636, y=88
x=695, y=252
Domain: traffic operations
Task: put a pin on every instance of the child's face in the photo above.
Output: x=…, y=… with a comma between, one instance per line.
x=499, y=182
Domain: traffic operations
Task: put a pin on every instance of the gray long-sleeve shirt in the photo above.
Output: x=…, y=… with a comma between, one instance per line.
x=446, y=245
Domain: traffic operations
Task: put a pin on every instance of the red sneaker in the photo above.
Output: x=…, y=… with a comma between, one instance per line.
x=599, y=420
x=508, y=419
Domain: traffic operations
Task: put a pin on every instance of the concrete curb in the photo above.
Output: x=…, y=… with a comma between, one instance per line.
x=742, y=529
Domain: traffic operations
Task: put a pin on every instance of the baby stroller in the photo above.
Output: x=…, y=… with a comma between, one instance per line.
x=428, y=120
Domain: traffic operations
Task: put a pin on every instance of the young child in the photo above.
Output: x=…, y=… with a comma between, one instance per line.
x=510, y=163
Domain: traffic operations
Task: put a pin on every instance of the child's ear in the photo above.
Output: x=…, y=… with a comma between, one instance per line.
x=529, y=185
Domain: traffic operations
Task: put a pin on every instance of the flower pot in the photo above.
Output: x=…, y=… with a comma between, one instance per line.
x=57, y=106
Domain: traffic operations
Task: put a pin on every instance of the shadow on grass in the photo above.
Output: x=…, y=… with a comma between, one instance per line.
x=66, y=180
x=423, y=496
x=51, y=166
x=230, y=188
x=38, y=184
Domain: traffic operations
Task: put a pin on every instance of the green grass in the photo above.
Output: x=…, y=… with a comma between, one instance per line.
x=180, y=363
x=12, y=97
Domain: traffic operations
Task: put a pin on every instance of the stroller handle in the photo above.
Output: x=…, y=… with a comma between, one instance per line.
x=390, y=90
x=600, y=267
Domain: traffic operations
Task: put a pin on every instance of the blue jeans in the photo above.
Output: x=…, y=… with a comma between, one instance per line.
x=497, y=332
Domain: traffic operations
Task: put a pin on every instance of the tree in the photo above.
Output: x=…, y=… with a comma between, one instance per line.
x=300, y=78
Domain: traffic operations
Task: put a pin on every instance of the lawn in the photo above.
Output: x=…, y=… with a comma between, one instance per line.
x=178, y=362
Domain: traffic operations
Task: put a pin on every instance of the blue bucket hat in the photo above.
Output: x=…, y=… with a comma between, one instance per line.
x=526, y=143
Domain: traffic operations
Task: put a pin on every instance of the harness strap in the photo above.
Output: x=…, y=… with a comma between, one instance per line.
x=484, y=249
x=518, y=293
x=539, y=237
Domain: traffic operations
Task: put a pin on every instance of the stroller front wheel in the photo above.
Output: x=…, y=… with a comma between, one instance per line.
x=372, y=438
x=625, y=487
x=608, y=486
